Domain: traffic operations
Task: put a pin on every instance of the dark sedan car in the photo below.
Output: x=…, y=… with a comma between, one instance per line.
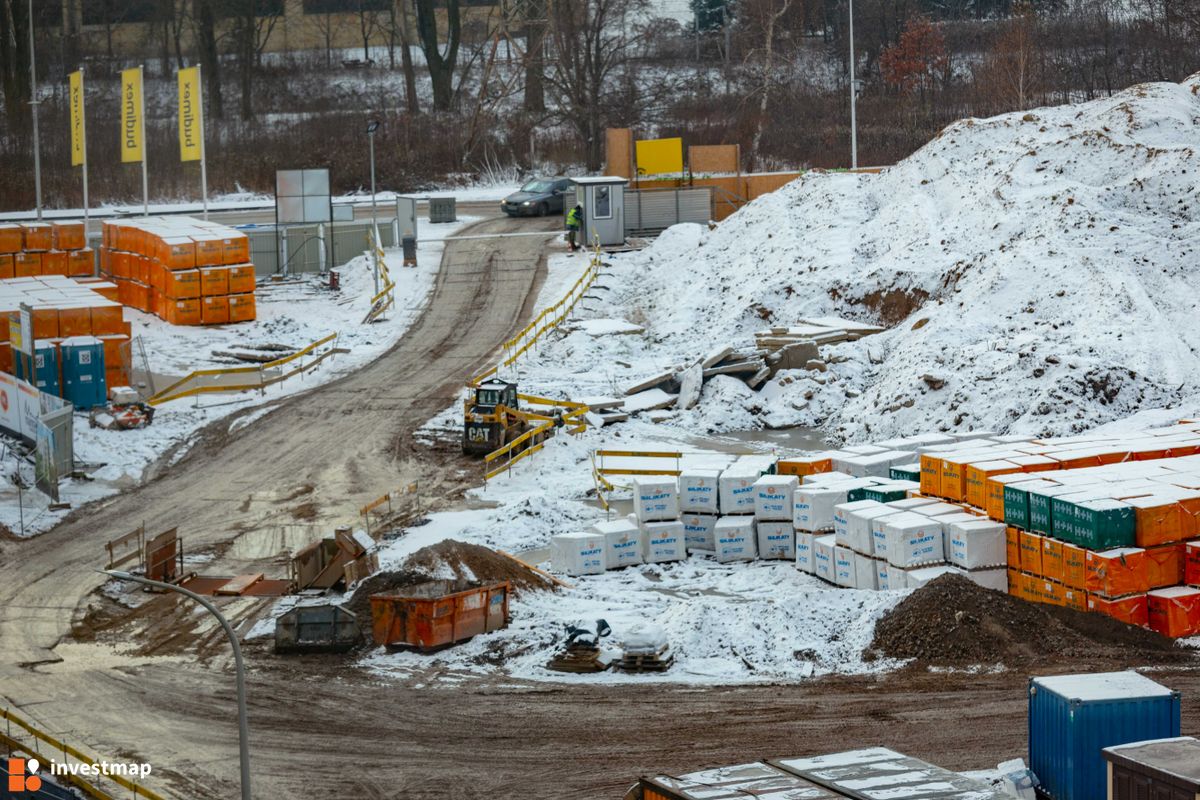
x=538, y=197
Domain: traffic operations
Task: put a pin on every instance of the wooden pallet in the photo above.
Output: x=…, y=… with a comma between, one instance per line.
x=578, y=660
x=647, y=663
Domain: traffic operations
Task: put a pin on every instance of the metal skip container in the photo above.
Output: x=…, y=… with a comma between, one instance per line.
x=438, y=613
x=1072, y=718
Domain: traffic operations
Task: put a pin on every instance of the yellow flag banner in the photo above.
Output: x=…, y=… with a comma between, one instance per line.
x=78, y=134
x=132, y=110
x=191, y=115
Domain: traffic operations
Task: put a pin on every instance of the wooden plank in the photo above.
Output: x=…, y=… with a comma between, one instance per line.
x=239, y=584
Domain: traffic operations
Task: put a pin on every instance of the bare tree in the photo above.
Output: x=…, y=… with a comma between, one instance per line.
x=368, y=25
x=592, y=42
x=761, y=18
x=398, y=28
x=204, y=26
x=535, y=60
x=14, y=58
x=253, y=27
x=441, y=65
x=328, y=25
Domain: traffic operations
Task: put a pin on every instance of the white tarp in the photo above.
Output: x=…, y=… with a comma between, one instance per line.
x=776, y=540
x=882, y=574
x=737, y=489
x=699, y=490
x=913, y=540
x=735, y=539
x=624, y=543
x=823, y=556
x=865, y=574
x=773, y=497
x=664, y=542
x=644, y=638
x=655, y=498
x=977, y=544
x=996, y=579
x=858, y=527
x=843, y=567
x=841, y=521
x=578, y=553
x=879, y=543
x=698, y=531
x=919, y=577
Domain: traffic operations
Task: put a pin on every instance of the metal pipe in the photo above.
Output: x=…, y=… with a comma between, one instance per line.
x=33, y=101
x=243, y=738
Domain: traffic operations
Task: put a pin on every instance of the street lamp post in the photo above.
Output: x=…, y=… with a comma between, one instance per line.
x=371, y=128
x=33, y=93
x=853, y=96
x=243, y=738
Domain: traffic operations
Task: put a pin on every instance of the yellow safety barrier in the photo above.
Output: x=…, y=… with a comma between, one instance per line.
x=67, y=750
x=411, y=489
x=386, y=298
x=177, y=389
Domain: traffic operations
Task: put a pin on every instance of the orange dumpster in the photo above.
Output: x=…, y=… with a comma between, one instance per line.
x=438, y=613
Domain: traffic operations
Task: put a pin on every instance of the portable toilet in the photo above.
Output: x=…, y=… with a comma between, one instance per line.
x=45, y=368
x=83, y=371
x=603, y=201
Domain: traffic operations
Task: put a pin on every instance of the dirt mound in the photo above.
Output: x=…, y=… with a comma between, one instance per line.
x=455, y=559
x=380, y=582
x=954, y=622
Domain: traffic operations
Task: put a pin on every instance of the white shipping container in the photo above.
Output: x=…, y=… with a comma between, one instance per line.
x=913, y=540
x=698, y=531
x=804, y=552
x=624, y=543
x=699, y=491
x=664, y=542
x=773, y=497
x=735, y=539
x=578, y=553
x=655, y=498
x=843, y=567
x=977, y=544
x=865, y=575
x=823, y=557
x=841, y=519
x=776, y=540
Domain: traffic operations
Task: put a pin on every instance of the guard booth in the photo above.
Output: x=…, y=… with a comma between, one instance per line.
x=603, y=201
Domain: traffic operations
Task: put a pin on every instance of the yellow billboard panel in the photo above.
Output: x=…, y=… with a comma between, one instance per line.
x=132, y=111
x=191, y=115
x=78, y=135
x=660, y=156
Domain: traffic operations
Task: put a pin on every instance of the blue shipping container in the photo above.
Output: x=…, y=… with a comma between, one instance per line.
x=83, y=371
x=1073, y=717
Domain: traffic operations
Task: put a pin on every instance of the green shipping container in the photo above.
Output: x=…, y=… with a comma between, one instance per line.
x=1104, y=524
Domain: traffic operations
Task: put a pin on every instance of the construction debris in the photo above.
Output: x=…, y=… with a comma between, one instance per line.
x=127, y=417
x=582, y=652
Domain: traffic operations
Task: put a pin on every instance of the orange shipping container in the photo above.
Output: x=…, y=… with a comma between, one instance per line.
x=1132, y=609
x=1174, y=612
x=69, y=235
x=6, y=266
x=1031, y=553
x=10, y=238
x=74, y=320
x=1052, y=560
x=1164, y=565
x=81, y=263
x=241, y=281
x=54, y=262
x=215, y=310
x=107, y=319
x=1115, y=573
x=214, y=281
x=241, y=308
x=1074, y=566
x=183, y=312
x=1191, y=567
x=181, y=284
x=236, y=249
x=27, y=265
x=36, y=236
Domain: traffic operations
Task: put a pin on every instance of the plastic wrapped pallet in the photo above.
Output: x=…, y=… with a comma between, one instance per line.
x=698, y=531
x=881, y=574
x=977, y=544
x=843, y=567
x=825, y=478
x=699, y=491
x=737, y=489
x=879, y=541
x=995, y=578
x=773, y=497
x=823, y=557
x=776, y=540
x=858, y=526
x=917, y=578
x=1174, y=611
x=874, y=465
x=578, y=553
x=865, y=574
x=913, y=540
x=655, y=498
x=912, y=503
x=804, y=552
x=897, y=577
x=735, y=539
x=841, y=519
x=1191, y=568
x=664, y=541
x=624, y=543
x=812, y=508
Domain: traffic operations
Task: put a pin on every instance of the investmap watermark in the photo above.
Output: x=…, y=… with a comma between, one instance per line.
x=24, y=774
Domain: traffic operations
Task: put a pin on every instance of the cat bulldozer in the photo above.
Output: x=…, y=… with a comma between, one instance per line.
x=492, y=417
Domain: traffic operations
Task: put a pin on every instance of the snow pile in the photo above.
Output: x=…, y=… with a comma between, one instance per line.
x=1038, y=269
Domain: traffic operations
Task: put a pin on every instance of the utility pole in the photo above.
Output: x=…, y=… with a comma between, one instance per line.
x=371, y=128
x=853, y=97
x=37, y=149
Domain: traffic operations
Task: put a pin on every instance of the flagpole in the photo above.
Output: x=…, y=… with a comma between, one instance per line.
x=83, y=136
x=203, y=154
x=142, y=125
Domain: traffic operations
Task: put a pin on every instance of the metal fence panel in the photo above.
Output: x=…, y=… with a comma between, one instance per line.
x=652, y=211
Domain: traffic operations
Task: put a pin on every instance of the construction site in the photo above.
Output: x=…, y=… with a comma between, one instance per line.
x=677, y=479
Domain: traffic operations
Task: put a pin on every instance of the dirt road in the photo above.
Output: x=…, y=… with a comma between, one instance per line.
x=331, y=449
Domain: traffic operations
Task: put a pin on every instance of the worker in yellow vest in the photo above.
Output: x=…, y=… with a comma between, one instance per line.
x=574, y=221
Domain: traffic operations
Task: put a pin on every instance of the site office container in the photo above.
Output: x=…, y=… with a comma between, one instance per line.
x=1159, y=770
x=438, y=613
x=1072, y=718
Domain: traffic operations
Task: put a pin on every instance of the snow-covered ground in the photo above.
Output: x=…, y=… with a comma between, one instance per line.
x=294, y=314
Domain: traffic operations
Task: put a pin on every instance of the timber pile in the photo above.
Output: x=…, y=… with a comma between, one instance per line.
x=578, y=657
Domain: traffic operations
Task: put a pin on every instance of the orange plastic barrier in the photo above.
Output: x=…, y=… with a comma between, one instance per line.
x=1133, y=609
x=1165, y=565
x=1116, y=573
x=1174, y=612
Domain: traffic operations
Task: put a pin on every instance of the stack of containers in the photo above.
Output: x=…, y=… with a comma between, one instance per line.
x=184, y=270
x=62, y=309
x=699, y=505
x=656, y=509
x=32, y=249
